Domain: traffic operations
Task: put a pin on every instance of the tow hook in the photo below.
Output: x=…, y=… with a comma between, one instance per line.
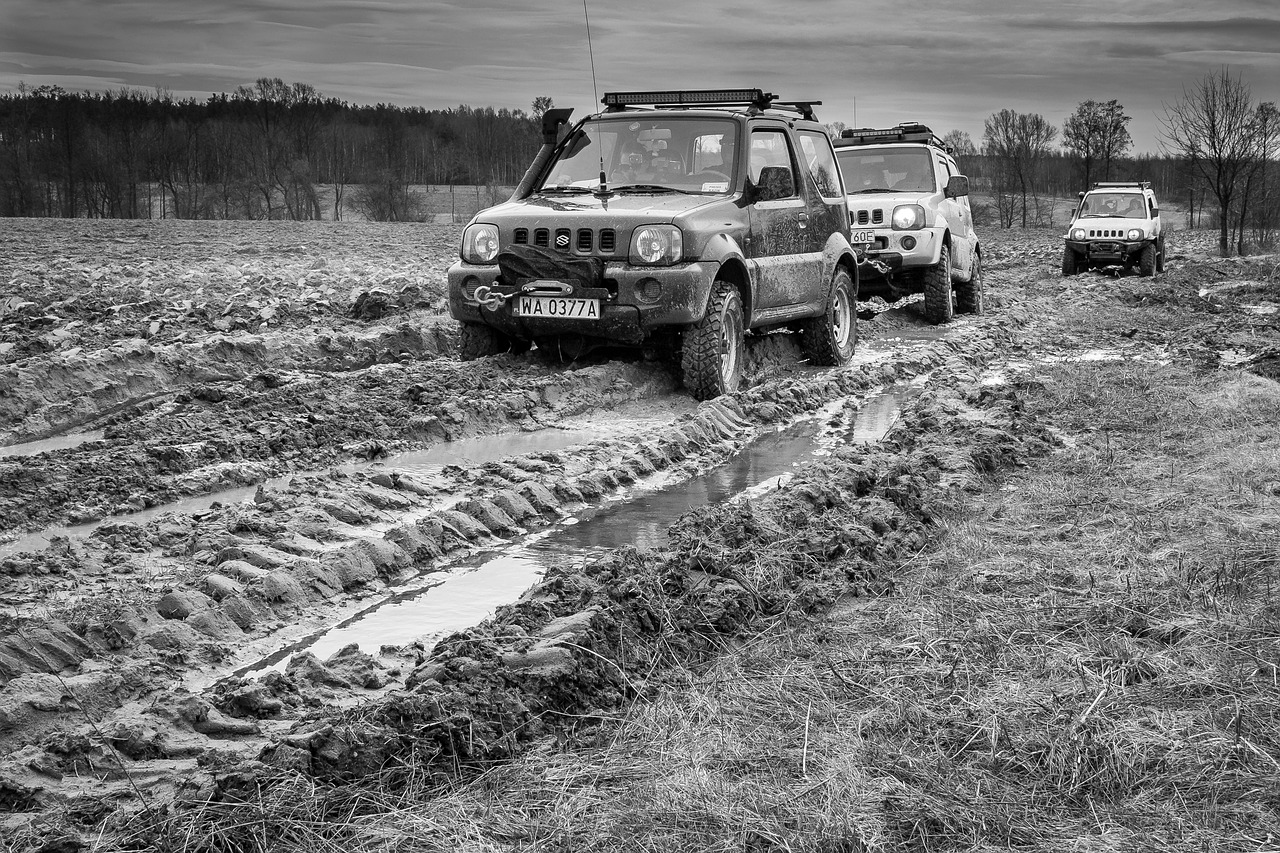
x=489, y=298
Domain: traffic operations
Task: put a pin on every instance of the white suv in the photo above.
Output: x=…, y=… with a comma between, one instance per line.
x=909, y=211
x=1117, y=223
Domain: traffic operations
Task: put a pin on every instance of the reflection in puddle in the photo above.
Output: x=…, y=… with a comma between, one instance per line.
x=639, y=517
x=469, y=451
x=48, y=445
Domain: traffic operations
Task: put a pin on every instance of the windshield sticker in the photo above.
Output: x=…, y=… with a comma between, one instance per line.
x=716, y=187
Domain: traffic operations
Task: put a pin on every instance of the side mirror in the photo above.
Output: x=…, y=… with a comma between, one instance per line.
x=1155, y=211
x=775, y=182
x=957, y=187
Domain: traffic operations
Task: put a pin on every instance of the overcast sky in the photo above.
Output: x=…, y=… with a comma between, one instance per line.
x=946, y=64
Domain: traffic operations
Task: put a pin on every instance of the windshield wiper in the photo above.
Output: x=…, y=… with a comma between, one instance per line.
x=646, y=188
x=565, y=191
x=872, y=190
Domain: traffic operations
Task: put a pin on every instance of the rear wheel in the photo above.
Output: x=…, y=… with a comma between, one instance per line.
x=939, y=303
x=1147, y=260
x=970, y=296
x=712, y=351
x=830, y=339
x=477, y=340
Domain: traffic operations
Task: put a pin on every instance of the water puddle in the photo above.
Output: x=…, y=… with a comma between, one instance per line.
x=469, y=451
x=640, y=516
x=48, y=445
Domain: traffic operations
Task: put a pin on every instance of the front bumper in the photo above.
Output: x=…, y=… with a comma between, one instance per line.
x=626, y=315
x=890, y=249
x=1108, y=252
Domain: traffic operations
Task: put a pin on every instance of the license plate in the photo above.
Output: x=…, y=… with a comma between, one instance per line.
x=862, y=237
x=559, y=307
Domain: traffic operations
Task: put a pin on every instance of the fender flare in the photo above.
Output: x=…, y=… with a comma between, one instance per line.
x=731, y=263
x=839, y=252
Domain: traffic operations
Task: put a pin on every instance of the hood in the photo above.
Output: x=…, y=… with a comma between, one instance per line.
x=1113, y=227
x=649, y=206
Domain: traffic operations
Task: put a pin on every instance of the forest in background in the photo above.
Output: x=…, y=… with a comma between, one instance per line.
x=279, y=150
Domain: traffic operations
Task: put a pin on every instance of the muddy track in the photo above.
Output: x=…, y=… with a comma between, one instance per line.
x=184, y=596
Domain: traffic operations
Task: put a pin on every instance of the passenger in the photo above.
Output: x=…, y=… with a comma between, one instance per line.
x=633, y=165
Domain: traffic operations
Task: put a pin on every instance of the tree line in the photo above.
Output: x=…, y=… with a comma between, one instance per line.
x=259, y=153
x=263, y=152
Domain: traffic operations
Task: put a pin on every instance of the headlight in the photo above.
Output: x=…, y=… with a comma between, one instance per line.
x=1077, y=234
x=480, y=244
x=908, y=217
x=657, y=244
x=1134, y=234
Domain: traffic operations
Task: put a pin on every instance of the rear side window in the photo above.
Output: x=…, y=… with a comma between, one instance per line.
x=821, y=162
x=769, y=148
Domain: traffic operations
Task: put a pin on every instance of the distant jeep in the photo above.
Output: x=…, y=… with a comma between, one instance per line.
x=678, y=221
x=909, y=207
x=1116, y=224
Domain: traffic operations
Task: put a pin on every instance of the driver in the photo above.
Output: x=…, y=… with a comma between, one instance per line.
x=633, y=164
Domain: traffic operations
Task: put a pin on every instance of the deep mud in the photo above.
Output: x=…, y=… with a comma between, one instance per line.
x=120, y=707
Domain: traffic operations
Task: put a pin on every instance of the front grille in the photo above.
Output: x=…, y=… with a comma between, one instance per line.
x=863, y=217
x=584, y=241
x=1106, y=232
x=877, y=216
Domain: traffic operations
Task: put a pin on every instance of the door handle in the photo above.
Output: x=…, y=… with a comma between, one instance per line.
x=803, y=219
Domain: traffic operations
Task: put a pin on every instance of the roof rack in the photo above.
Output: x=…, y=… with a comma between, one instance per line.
x=756, y=100
x=1146, y=185
x=907, y=131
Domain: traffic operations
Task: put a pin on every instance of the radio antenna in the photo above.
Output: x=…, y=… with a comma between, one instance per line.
x=603, y=189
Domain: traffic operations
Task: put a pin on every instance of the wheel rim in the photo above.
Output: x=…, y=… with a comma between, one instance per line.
x=731, y=338
x=841, y=319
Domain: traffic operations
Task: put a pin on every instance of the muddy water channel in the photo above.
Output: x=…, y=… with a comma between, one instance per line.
x=428, y=609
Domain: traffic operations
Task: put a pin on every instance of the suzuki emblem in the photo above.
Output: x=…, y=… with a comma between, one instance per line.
x=562, y=241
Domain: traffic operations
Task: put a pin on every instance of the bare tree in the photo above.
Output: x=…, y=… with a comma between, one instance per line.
x=1018, y=143
x=1097, y=132
x=1212, y=125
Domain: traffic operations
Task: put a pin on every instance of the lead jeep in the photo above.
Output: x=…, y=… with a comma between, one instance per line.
x=909, y=207
x=1116, y=223
x=677, y=221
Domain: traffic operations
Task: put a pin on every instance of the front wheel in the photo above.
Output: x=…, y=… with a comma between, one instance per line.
x=830, y=338
x=1070, y=261
x=713, y=351
x=971, y=296
x=939, y=304
x=1147, y=260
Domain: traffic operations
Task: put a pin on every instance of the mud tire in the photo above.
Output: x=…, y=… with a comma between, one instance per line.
x=1160, y=254
x=713, y=351
x=477, y=341
x=1070, y=261
x=971, y=296
x=1147, y=261
x=939, y=301
x=830, y=339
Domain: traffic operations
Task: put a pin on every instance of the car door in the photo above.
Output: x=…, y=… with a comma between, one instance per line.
x=956, y=212
x=828, y=207
x=779, y=227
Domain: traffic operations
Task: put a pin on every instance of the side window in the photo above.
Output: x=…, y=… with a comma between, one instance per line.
x=820, y=159
x=770, y=148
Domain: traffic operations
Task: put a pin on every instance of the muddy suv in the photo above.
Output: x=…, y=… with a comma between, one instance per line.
x=1117, y=223
x=677, y=221
x=909, y=209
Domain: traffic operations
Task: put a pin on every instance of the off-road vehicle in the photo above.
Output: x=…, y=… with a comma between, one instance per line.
x=909, y=208
x=1116, y=223
x=679, y=221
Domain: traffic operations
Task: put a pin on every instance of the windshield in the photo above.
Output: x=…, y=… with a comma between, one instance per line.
x=1123, y=205
x=667, y=154
x=867, y=170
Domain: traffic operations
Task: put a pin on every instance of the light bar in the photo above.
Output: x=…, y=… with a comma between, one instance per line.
x=685, y=96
